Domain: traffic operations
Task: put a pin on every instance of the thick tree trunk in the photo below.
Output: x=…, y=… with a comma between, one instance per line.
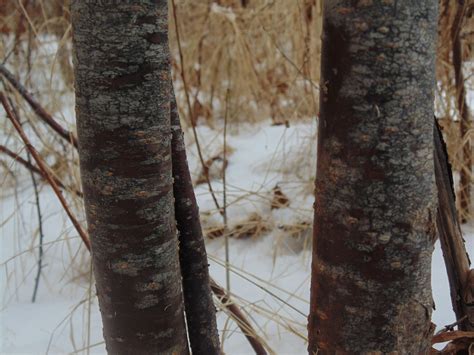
x=123, y=119
x=200, y=310
x=375, y=205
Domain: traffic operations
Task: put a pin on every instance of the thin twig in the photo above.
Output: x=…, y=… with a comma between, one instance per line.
x=41, y=233
x=224, y=168
x=44, y=169
x=34, y=169
x=37, y=108
x=19, y=159
x=241, y=320
x=299, y=70
x=224, y=199
x=39, y=215
x=241, y=274
x=450, y=327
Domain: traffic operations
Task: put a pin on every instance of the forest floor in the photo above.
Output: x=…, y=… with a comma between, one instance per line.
x=269, y=196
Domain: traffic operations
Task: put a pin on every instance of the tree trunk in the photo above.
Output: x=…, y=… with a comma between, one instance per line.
x=200, y=310
x=123, y=118
x=375, y=204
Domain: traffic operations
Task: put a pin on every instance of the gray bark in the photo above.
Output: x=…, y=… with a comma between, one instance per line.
x=375, y=204
x=122, y=85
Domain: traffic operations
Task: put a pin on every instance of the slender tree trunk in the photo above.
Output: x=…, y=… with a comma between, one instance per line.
x=123, y=119
x=375, y=205
x=200, y=310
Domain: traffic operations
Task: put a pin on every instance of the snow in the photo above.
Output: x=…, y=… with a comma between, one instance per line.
x=259, y=160
x=270, y=277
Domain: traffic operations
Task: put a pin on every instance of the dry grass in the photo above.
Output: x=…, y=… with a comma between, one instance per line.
x=269, y=51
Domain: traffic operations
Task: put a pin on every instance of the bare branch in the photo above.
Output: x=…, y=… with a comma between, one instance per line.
x=44, y=170
x=37, y=108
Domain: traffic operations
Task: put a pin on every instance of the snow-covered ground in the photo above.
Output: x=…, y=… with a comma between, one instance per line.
x=270, y=273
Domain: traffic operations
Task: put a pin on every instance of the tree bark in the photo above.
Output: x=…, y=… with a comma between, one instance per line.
x=200, y=310
x=454, y=251
x=375, y=204
x=122, y=84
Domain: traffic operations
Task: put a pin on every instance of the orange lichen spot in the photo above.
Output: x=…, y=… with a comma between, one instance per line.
x=396, y=265
x=361, y=26
x=322, y=345
x=365, y=138
x=153, y=286
x=344, y=10
x=122, y=265
x=351, y=220
x=322, y=315
x=108, y=190
x=392, y=129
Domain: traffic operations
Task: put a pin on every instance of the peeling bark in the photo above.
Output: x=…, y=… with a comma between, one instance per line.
x=375, y=204
x=455, y=256
x=200, y=310
x=122, y=72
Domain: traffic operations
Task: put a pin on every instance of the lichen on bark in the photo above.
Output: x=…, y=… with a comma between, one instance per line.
x=122, y=74
x=375, y=204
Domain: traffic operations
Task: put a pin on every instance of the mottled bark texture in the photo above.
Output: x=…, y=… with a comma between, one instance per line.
x=123, y=87
x=375, y=204
x=200, y=310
